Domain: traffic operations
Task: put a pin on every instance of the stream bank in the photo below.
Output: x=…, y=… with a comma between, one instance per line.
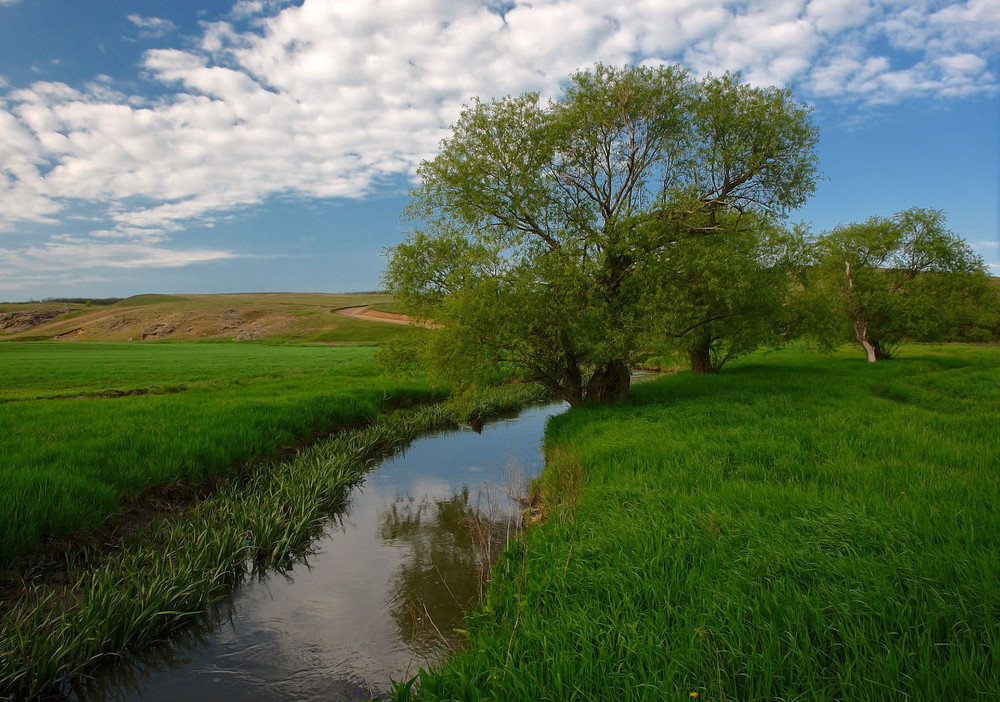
x=381, y=593
x=159, y=581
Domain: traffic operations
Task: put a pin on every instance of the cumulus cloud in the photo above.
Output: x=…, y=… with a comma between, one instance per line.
x=328, y=99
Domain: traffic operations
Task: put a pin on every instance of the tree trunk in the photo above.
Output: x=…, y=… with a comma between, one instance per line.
x=567, y=380
x=609, y=383
x=569, y=391
x=701, y=357
x=881, y=354
x=870, y=350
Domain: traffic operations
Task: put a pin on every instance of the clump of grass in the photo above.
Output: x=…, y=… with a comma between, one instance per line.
x=158, y=580
x=798, y=527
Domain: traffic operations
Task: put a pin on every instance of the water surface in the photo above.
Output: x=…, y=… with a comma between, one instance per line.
x=380, y=595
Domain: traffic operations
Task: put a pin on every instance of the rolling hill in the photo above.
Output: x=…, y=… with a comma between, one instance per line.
x=276, y=317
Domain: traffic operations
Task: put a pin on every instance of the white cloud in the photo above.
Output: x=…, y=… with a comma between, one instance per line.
x=152, y=27
x=329, y=99
x=833, y=16
x=70, y=253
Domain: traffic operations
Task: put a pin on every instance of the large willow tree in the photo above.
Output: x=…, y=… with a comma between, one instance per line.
x=543, y=229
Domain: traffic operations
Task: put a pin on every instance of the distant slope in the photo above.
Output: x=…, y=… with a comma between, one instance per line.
x=282, y=317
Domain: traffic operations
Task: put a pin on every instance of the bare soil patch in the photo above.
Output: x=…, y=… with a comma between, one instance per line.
x=13, y=322
x=365, y=312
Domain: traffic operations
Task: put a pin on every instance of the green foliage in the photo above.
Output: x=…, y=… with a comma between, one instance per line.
x=907, y=277
x=799, y=528
x=544, y=226
x=87, y=426
x=722, y=295
x=88, y=301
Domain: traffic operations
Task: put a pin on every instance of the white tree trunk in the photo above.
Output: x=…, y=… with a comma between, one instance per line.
x=870, y=350
x=860, y=328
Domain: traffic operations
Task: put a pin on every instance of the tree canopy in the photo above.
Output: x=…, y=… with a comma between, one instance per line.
x=903, y=277
x=545, y=231
x=718, y=297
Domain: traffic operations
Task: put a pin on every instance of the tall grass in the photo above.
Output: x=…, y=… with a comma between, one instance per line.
x=797, y=528
x=73, y=453
x=157, y=580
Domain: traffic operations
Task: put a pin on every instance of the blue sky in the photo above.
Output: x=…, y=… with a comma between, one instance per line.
x=266, y=145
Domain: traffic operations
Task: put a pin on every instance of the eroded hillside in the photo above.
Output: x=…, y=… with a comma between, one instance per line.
x=240, y=317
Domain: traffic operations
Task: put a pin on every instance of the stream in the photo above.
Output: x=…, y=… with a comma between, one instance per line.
x=380, y=595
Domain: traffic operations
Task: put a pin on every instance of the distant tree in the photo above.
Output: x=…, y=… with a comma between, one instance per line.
x=965, y=308
x=542, y=224
x=897, y=278
x=721, y=296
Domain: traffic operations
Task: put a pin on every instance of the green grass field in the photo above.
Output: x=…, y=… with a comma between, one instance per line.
x=800, y=527
x=72, y=451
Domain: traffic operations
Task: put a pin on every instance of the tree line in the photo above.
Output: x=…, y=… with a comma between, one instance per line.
x=645, y=210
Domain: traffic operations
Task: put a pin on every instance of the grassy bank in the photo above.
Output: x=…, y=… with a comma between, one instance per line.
x=799, y=527
x=154, y=581
x=88, y=427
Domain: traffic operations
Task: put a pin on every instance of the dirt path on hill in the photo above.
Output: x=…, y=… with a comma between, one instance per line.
x=366, y=313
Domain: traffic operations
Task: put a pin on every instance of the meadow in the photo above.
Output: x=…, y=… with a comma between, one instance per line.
x=798, y=527
x=91, y=427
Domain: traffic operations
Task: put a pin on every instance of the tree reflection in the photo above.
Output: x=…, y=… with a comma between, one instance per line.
x=442, y=571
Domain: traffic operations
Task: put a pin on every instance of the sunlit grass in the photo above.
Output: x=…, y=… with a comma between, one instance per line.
x=69, y=459
x=800, y=527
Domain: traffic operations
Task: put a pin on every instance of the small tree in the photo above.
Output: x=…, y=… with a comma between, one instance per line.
x=893, y=278
x=542, y=224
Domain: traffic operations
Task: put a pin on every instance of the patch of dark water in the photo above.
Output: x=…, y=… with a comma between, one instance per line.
x=381, y=593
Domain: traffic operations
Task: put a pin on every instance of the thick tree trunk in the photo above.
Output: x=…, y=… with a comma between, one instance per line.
x=701, y=358
x=609, y=383
x=567, y=380
x=873, y=349
x=570, y=392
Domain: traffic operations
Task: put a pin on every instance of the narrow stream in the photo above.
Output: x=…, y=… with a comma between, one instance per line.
x=380, y=596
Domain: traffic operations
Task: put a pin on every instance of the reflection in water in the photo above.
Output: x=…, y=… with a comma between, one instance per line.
x=380, y=593
x=438, y=578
